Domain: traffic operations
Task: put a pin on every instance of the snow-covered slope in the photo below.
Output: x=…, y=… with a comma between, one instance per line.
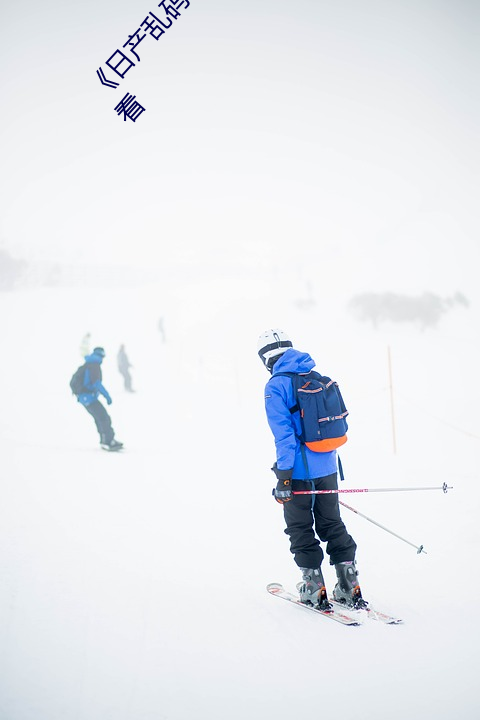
x=132, y=585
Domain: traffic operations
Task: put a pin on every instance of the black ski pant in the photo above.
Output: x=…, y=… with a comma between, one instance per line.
x=310, y=517
x=102, y=421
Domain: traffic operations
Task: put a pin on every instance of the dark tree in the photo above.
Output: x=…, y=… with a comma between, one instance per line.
x=426, y=309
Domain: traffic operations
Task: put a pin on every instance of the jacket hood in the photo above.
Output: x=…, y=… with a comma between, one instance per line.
x=93, y=358
x=293, y=361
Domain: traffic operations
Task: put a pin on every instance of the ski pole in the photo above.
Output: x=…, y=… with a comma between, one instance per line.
x=419, y=548
x=443, y=487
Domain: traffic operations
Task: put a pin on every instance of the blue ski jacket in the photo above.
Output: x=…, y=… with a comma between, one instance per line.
x=93, y=381
x=285, y=426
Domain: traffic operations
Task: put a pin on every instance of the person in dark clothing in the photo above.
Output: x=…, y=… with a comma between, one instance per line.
x=92, y=388
x=124, y=366
x=85, y=345
x=309, y=518
x=161, y=329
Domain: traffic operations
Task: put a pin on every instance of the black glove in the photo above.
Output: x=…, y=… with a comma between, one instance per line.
x=283, y=492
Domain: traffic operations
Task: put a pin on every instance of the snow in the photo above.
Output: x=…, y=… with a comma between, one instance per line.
x=133, y=584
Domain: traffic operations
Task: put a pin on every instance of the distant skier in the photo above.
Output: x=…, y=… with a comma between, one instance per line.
x=87, y=386
x=161, y=329
x=300, y=468
x=85, y=345
x=124, y=366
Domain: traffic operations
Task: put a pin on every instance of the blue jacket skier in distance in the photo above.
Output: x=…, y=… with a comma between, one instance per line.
x=93, y=379
x=93, y=386
x=309, y=519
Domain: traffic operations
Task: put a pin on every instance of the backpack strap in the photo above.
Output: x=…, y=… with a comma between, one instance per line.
x=304, y=458
x=293, y=377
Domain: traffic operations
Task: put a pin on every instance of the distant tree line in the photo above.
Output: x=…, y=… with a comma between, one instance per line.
x=426, y=309
x=11, y=270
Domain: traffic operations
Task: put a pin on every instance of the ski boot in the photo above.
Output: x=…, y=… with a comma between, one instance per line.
x=347, y=590
x=312, y=589
x=112, y=446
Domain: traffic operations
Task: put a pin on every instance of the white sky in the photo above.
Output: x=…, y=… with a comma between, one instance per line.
x=341, y=128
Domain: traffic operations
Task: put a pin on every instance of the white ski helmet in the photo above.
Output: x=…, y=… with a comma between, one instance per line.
x=271, y=344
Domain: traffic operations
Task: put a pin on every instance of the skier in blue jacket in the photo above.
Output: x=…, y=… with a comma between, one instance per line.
x=309, y=518
x=93, y=387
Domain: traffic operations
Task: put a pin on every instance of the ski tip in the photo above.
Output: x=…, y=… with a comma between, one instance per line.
x=383, y=617
x=274, y=587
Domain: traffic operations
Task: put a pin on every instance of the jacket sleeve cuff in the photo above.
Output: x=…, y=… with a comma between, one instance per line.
x=282, y=474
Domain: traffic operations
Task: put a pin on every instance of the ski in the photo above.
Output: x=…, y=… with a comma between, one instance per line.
x=371, y=613
x=337, y=614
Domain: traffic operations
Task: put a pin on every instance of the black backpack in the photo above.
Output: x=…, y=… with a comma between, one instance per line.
x=77, y=382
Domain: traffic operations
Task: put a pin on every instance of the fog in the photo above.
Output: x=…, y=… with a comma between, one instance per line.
x=308, y=165
x=348, y=131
